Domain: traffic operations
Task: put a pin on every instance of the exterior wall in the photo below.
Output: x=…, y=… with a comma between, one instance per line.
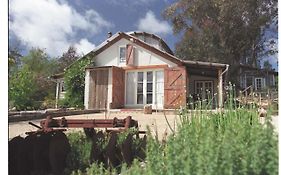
x=193, y=78
x=268, y=79
x=143, y=57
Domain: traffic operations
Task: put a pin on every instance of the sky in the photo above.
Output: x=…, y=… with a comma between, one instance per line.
x=54, y=25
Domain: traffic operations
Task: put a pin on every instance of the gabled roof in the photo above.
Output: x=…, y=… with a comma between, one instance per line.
x=248, y=67
x=118, y=36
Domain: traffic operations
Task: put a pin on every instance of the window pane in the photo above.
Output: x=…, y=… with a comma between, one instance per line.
x=149, y=87
x=149, y=99
x=160, y=88
x=159, y=76
x=140, y=87
x=149, y=76
x=140, y=98
x=122, y=54
x=130, y=90
x=140, y=76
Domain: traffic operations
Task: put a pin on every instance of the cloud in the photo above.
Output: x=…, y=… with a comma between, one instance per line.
x=129, y=3
x=53, y=25
x=151, y=24
x=84, y=46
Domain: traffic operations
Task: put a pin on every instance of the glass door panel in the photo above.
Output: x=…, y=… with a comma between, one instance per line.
x=130, y=88
x=159, y=88
x=140, y=88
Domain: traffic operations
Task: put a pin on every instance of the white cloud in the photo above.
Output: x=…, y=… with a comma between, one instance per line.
x=84, y=46
x=151, y=24
x=129, y=3
x=53, y=24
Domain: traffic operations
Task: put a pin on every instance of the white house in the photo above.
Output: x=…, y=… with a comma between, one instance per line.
x=137, y=68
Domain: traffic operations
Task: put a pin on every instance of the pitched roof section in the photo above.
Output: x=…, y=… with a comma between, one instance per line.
x=116, y=37
x=258, y=69
x=163, y=43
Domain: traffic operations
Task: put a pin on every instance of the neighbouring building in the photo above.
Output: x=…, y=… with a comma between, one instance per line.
x=256, y=78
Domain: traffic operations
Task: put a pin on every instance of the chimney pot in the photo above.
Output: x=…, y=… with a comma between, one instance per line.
x=109, y=34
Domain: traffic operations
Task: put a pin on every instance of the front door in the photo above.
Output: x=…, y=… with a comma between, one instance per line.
x=204, y=89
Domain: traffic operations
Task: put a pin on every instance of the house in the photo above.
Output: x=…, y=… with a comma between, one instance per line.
x=256, y=78
x=134, y=69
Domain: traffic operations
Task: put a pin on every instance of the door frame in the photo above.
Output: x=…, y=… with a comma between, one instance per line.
x=203, y=88
x=135, y=105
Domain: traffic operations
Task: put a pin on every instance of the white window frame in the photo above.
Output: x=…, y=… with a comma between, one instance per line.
x=122, y=60
x=262, y=83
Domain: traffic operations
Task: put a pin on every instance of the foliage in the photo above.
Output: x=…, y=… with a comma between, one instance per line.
x=233, y=141
x=14, y=57
x=29, y=85
x=67, y=58
x=267, y=65
x=221, y=30
x=74, y=79
x=79, y=156
x=22, y=87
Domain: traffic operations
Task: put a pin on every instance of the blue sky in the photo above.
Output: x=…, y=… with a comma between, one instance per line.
x=56, y=24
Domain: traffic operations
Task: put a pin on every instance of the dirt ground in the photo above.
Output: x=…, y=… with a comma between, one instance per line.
x=156, y=122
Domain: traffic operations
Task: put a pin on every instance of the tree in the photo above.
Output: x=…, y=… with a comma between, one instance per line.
x=267, y=65
x=14, y=58
x=67, y=58
x=22, y=87
x=30, y=85
x=221, y=30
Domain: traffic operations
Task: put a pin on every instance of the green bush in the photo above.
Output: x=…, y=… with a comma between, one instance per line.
x=74, y=79
x=230, y=142
x=79, y=156
x=22, y=87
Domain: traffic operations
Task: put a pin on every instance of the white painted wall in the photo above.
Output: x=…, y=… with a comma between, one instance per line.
x=87, y=87
x=143, y=57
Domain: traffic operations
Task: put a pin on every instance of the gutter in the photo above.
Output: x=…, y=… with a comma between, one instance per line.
x=225, y=70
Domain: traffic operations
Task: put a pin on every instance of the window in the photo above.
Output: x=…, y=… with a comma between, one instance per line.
x=259, y=82
x=63, y=88
x=122, y=54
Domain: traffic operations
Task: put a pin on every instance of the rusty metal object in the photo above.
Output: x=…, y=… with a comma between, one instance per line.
x=45, y=150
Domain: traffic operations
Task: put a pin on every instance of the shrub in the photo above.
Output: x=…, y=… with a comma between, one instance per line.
x=79, y=156
x=74, y=79
x=229, y=142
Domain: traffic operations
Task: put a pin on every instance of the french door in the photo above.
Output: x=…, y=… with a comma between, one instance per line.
x=204, y=89
x=145, y=87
